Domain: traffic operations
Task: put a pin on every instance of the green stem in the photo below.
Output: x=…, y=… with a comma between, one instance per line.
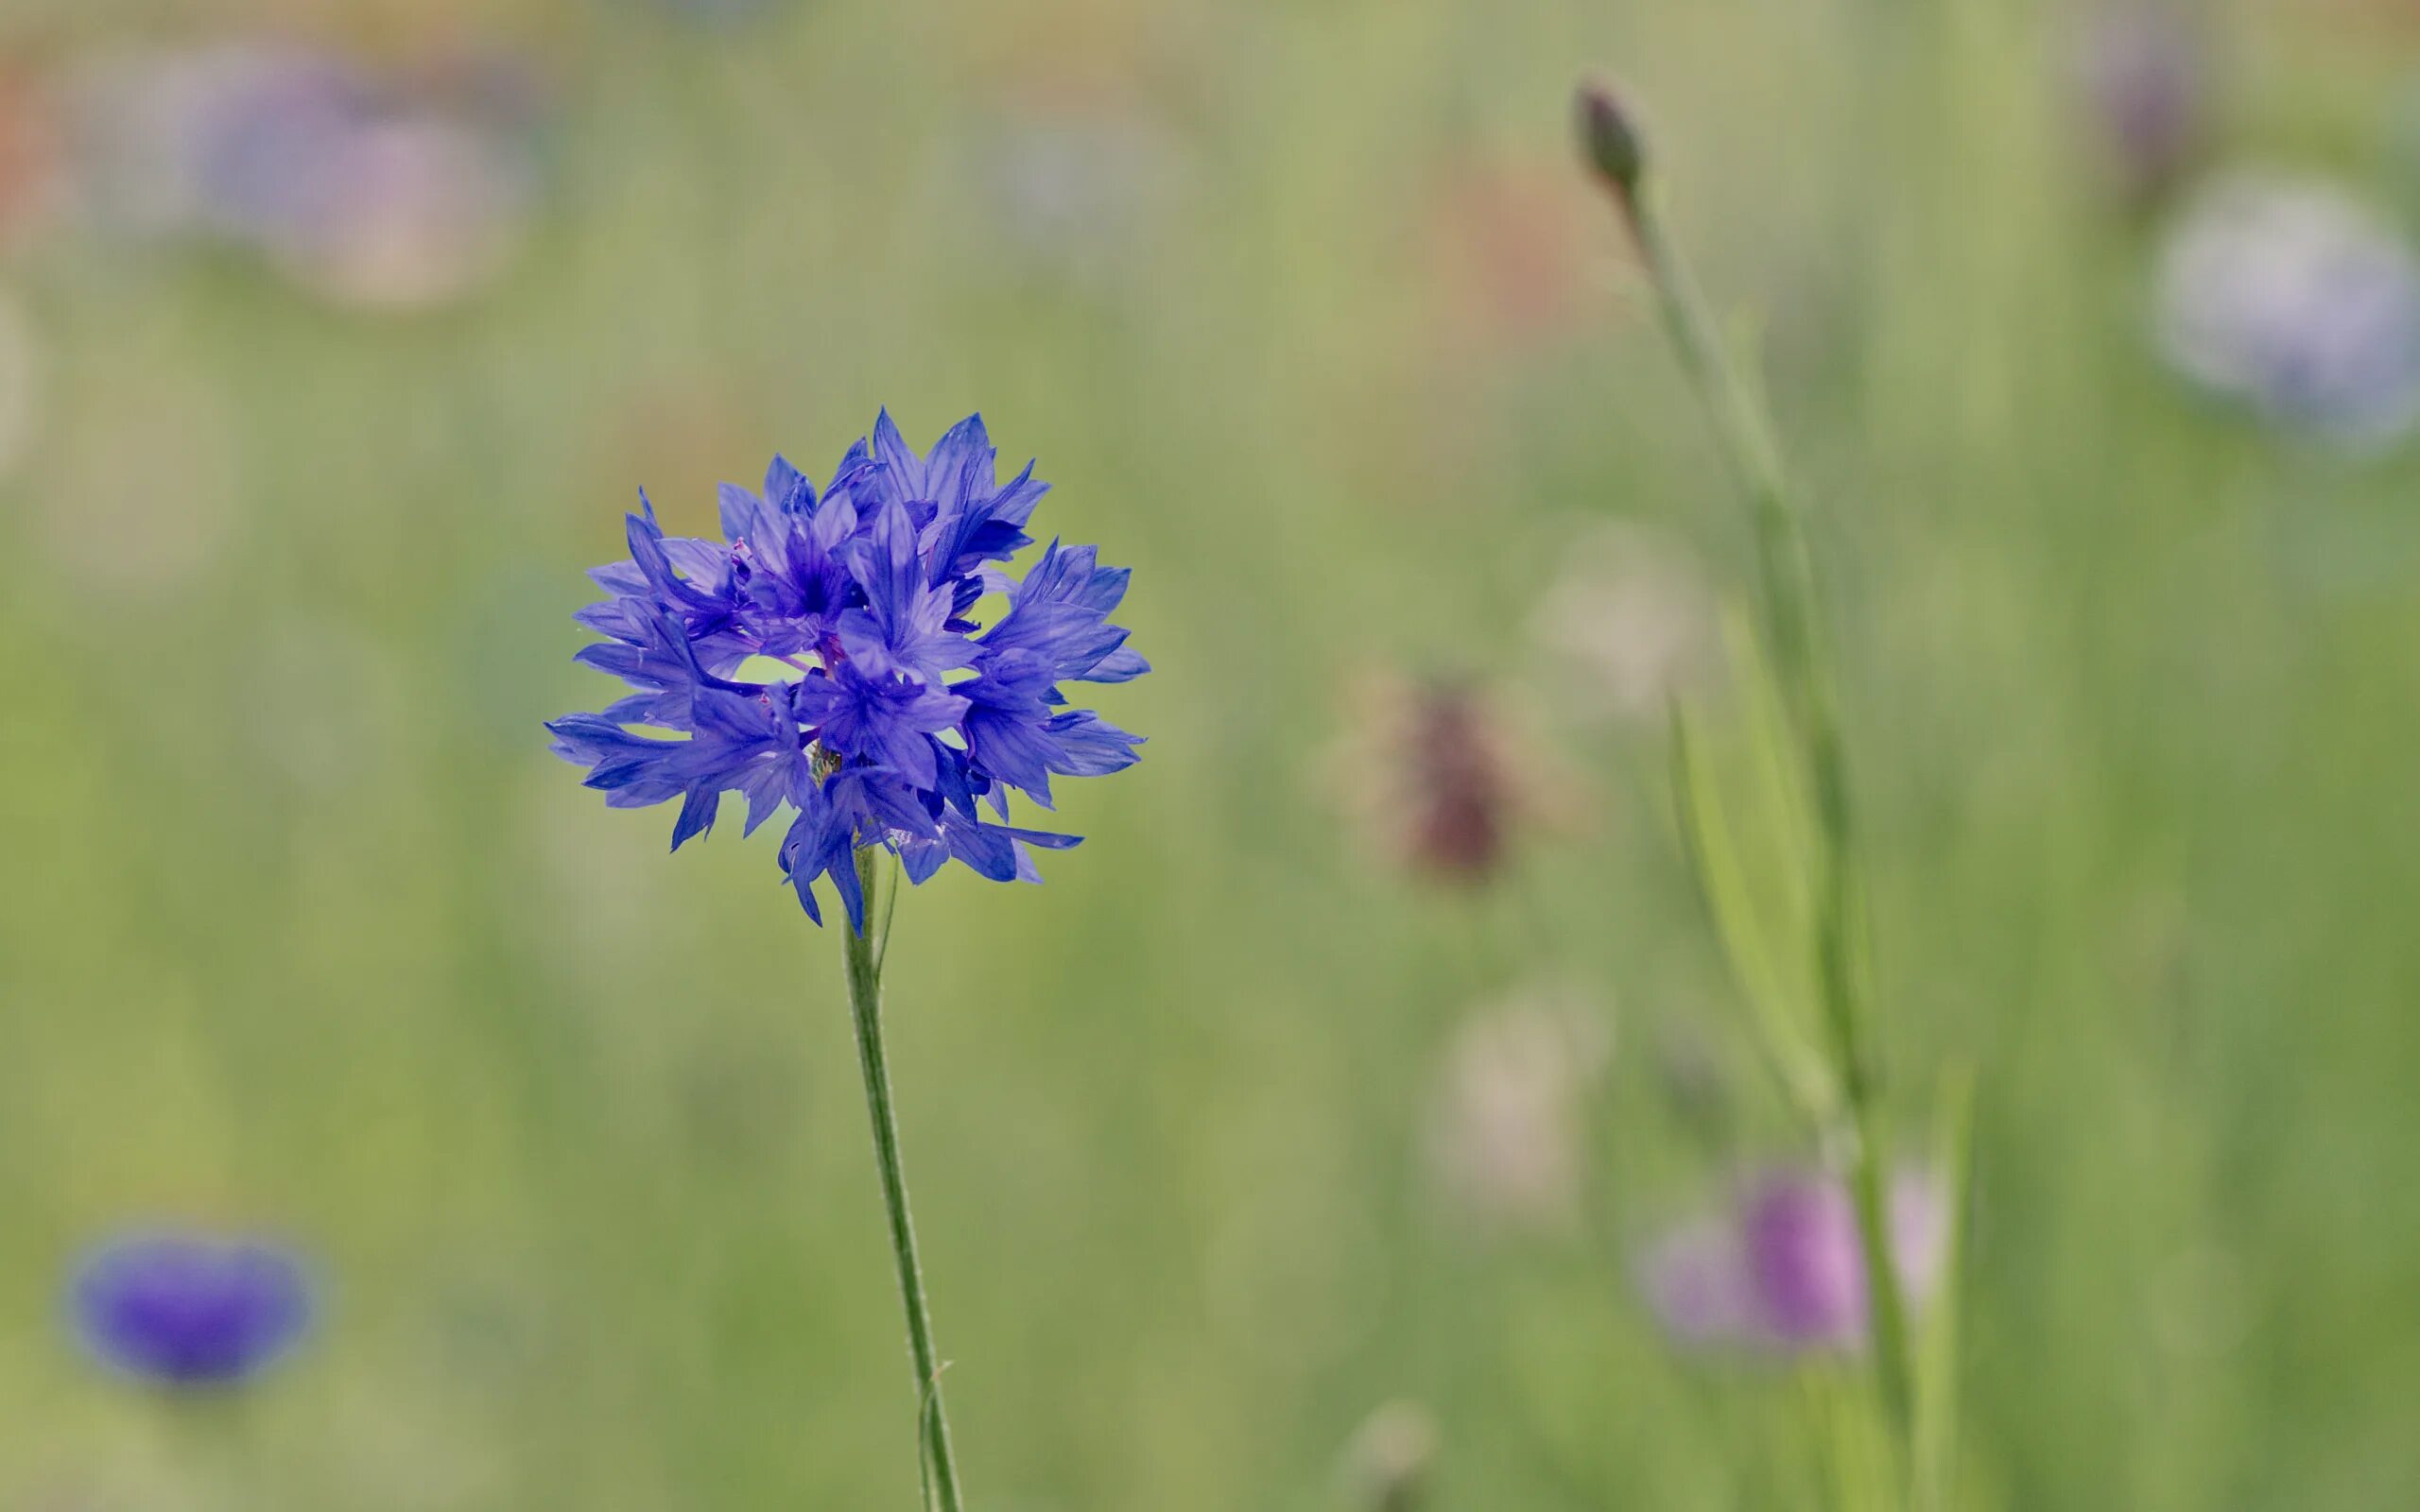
x=865, y=1004
x=1792, y=621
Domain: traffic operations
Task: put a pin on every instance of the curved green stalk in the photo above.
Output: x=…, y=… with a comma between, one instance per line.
x=865, y=955
x=1792, y=623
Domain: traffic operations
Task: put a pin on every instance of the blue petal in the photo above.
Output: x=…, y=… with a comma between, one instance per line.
x=786, y=489
x=738, y=508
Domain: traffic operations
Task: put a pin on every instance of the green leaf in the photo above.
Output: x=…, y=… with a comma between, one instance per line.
x=1774, y=1002
x=1788, y=814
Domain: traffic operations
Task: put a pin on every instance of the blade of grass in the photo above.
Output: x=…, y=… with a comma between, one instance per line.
x=1936, y=1425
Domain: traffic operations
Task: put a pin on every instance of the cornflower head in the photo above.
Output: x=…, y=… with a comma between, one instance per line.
x=826, y=657
x=190, y=1310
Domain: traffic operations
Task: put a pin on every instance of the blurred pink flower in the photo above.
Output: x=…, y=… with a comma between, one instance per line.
x=1784, y=1268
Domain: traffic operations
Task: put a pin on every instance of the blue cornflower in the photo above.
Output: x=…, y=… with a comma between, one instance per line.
x=826, y=656
x=188, y=1309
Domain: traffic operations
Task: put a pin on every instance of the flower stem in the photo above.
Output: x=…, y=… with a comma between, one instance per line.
x=1792, y=622
x=937, y=1465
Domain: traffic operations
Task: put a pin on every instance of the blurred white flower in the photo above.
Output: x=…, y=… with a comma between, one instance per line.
x=1508, y=1134
x=2291, y=296
x=1631, y=619
x=1386, y=1463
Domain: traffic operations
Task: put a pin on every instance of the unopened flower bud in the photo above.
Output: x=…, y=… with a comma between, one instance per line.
x=1609, y=137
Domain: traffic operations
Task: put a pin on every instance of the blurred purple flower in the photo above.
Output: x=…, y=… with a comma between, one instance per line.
x=2288, y=295
x=196, y=142
x=2144, y=77
x=267, y=131
x=1784, y=1269
x=367, y=188
x=188, y=1309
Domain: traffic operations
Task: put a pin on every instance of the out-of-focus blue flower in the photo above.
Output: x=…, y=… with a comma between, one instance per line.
x=2289, y=296
x=826, y=656
x=1785, y=1268
x=190, y=1309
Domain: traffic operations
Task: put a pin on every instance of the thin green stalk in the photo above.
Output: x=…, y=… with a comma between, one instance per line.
x=1792, y=621
x=936, y=1462
x=1936, y=1431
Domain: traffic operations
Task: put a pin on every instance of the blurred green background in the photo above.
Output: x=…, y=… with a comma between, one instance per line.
x=1309, y=317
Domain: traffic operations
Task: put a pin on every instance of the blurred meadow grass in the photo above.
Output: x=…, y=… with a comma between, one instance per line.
x=1324, y=333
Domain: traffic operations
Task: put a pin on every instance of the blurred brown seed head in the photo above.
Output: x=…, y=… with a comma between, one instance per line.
x=1438, y=775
